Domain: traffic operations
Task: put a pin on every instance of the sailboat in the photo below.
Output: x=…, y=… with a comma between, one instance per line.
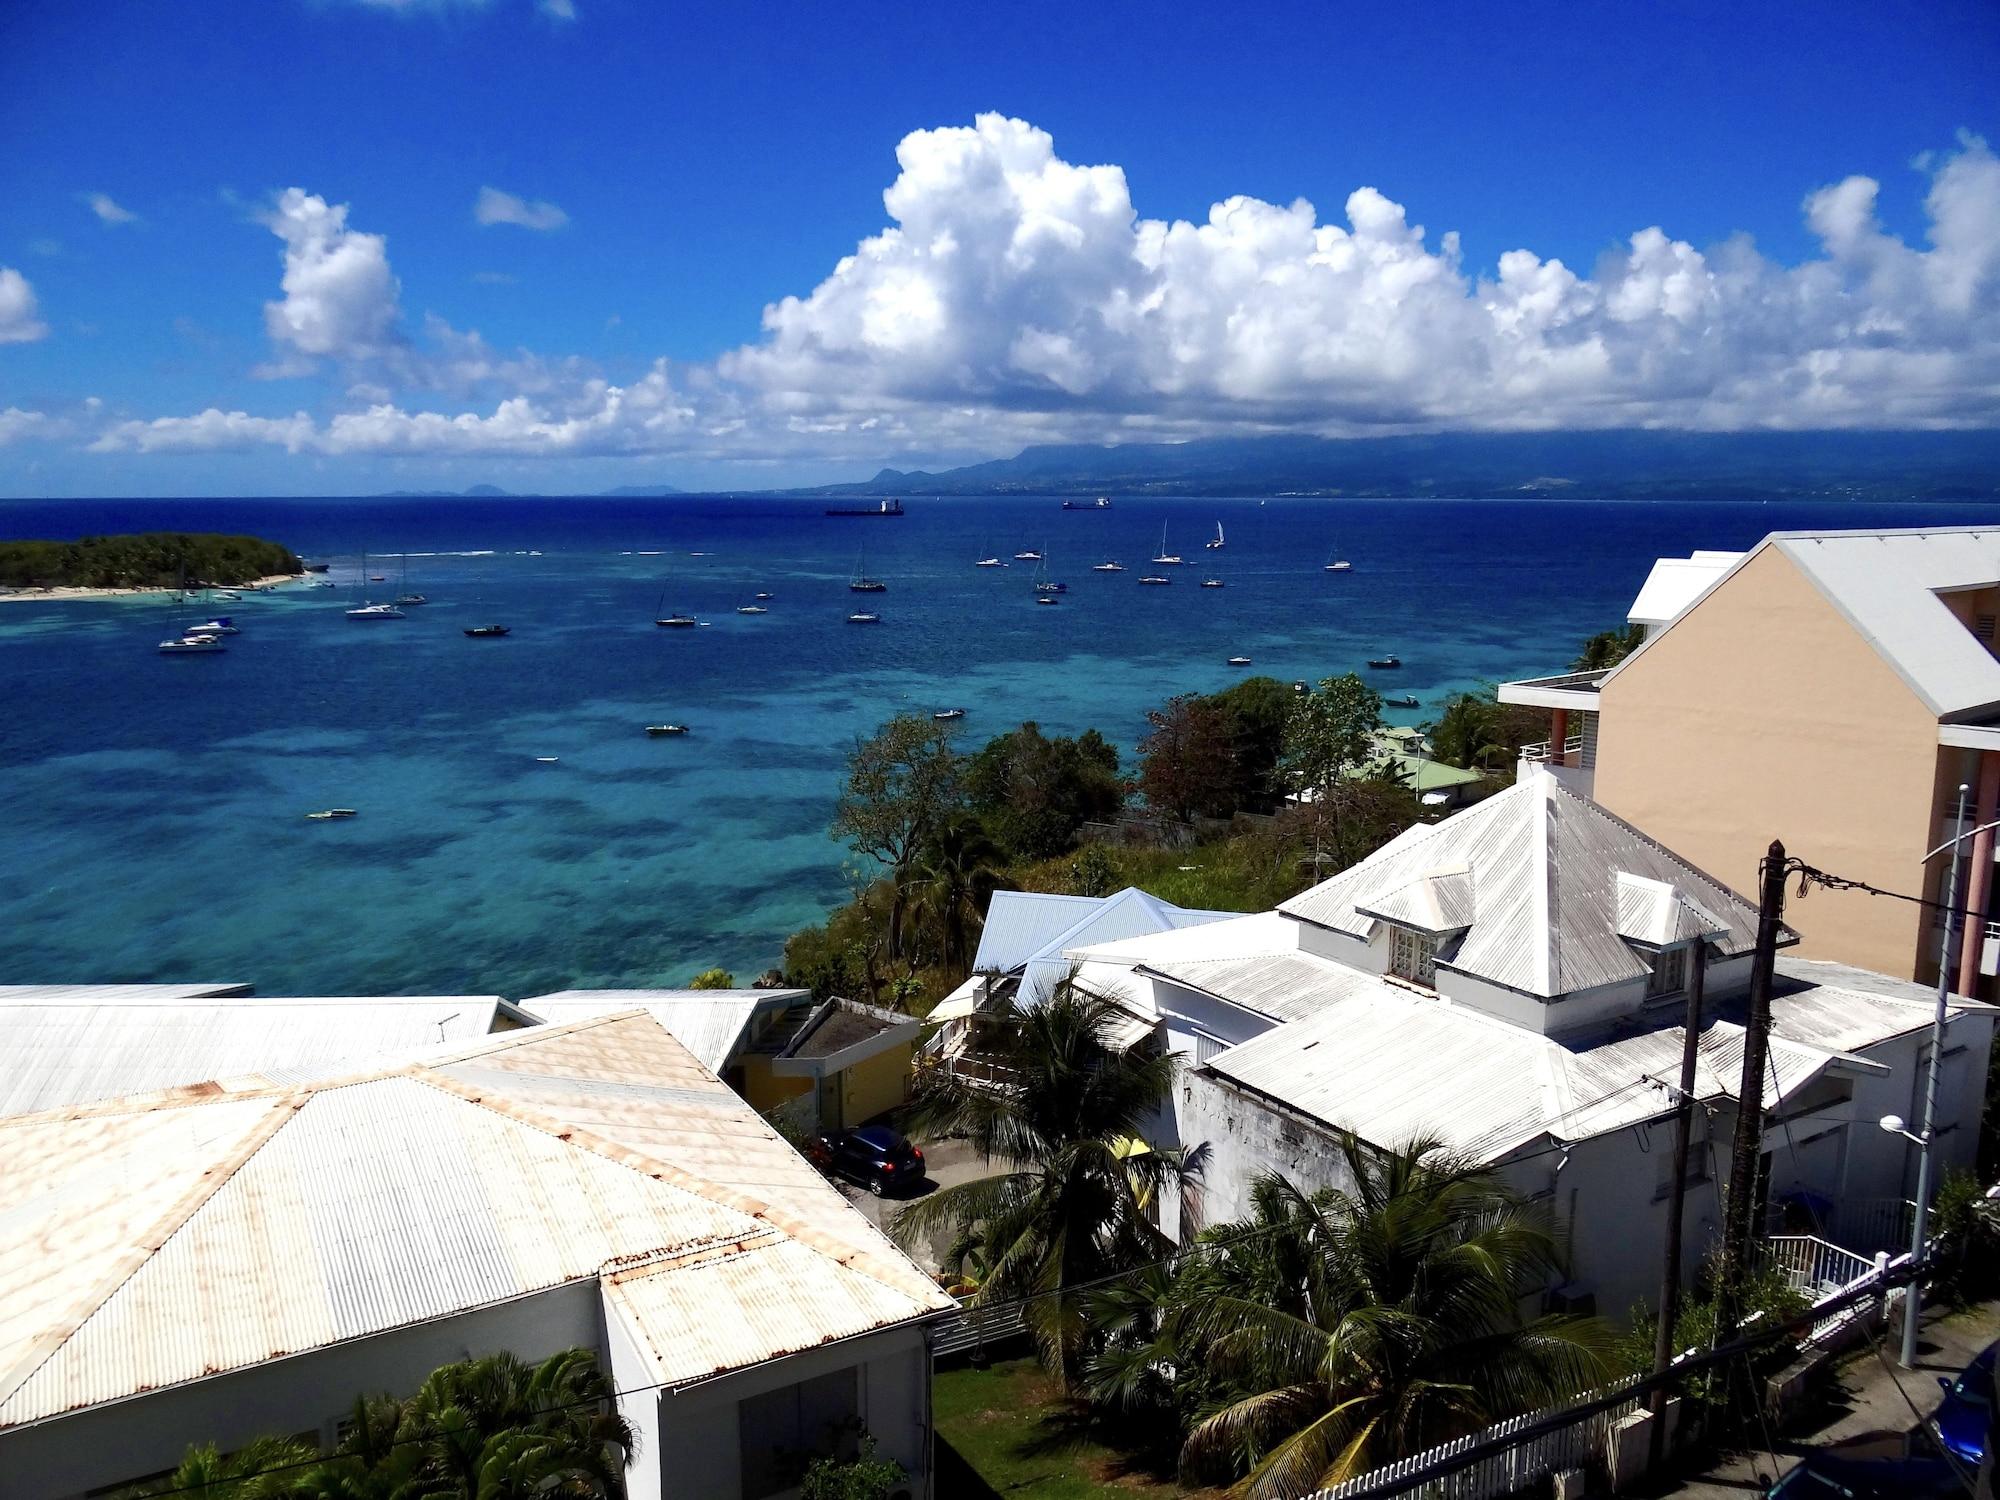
x=1335, y=563
x=192, y=642
x=1046, y=586
x=1028, y=554
x=861, y=583
x=752, y=608
x=988, y=558
x=1166, y=558
x=1216, y=545
x=674, y=621
x=406, y=597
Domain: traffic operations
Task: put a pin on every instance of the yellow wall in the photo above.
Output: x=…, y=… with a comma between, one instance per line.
x=1762, y=714
x=764, y=1090
x=879, y=1084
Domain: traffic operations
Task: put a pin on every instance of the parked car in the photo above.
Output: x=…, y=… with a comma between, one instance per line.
x=1828, y=1476
x=875, y=1156
x=1962, y=1419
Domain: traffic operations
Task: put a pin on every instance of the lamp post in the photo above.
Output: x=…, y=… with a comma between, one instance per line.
x=1913, y=1293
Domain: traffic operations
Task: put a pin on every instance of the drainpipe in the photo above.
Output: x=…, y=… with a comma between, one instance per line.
x=1973, y=943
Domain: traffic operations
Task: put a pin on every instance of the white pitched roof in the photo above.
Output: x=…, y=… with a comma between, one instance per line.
x=73, y=1044
x=1675, y=583
x=1886, y=584
x=1092, y=922
x=1539, y=889
x=709, y=1023
x=151, y=1243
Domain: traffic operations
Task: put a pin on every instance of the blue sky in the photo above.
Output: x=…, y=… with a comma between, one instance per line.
x=675, y=170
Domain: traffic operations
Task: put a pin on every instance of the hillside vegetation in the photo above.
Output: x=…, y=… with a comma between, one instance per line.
x=153, y=559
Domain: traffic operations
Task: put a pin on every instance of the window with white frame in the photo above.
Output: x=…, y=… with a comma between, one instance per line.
x=1413, y=956
x=1670, y=972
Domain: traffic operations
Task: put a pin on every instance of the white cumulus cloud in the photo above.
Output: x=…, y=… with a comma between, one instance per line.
x=340, y=298
x=107, y=209
x=16, y=424
x=496, y=207
x=19, y=320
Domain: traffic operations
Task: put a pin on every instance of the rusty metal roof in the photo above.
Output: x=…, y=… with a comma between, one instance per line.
x=150, y=1243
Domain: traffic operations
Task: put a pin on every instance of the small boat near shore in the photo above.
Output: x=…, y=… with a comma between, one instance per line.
x=864, y=617
x=193, y=645
x=751, y=609
x=220, y=625
x=1031, y=555
x=659, y=730
x=327, y=815
x=1109, y=565
x=1157, y=579
x=946, y=715
x=486, y=631
x=676, y=622
x=375, y=612
x=1387, y=663
x=1211, y=583
x=767, y=594
x=1402, y=700
x=1239, y=661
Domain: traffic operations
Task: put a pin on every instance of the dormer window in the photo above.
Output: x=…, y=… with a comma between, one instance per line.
x=1413, y=956
x=1669, y=975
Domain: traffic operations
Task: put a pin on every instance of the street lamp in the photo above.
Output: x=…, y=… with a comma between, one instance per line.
x=1913, y=1292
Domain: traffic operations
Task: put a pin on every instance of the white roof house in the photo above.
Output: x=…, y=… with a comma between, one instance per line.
x=153, y=1250
x=1034, y=935
x=71, y=1044
x=712, y=1024
x=1674, y=584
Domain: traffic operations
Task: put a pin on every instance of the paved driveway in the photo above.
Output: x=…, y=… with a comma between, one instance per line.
x=1868, y=1415
x=945, y=1164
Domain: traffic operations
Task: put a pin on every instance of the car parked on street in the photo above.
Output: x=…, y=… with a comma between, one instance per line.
x=876, y=1157
x=1829, y=1476
x=1961, y=1421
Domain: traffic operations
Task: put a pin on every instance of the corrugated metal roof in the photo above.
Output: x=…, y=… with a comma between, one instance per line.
x=144, y=1245
x=1391, y=1064
x=1544, y=866
x=105, y=1042
x=1019, y=925
x=1085, y=922
x=709, y=1023
x=1656, y=914
x=114, y=994
x=1886, y=584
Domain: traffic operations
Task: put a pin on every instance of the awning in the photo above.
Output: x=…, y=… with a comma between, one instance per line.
x=1123, y=1030
x=952, y=1008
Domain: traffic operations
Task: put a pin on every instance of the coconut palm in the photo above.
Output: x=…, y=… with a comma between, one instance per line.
x=1068, y=1203
x=955, y=877
x=1340, y=1330
x=261, y=1469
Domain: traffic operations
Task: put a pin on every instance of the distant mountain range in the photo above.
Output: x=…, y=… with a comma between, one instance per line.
x=1601, y=465
x=494, y=492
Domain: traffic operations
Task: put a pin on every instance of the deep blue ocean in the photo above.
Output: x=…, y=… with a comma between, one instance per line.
x=153, y=807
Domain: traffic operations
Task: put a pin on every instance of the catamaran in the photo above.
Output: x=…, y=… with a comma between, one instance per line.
x=1166, y=559
x=1214, y=546
x=375, y=612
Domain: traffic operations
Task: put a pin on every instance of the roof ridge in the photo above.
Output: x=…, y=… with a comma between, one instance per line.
x=1598, y=809
x=1544, y=903
x=143, y=1247
x=784, y=1220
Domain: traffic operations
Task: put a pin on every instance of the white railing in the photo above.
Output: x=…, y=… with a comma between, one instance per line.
x=974, y=1328
x=1541, y=750
x=1825, y=1271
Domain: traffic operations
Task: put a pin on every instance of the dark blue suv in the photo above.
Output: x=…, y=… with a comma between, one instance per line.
x=1962, y=1420
x=875, y=1156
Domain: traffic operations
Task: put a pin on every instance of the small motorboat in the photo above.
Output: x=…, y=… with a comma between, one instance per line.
x=1211, y=583
x=1239, y=661
x=1301, y=686
x=989, y=562
x=315, y=567
x=1402, y=700
x=324, y=583
x=547, y=760
x=864, y=617
x=945, y=714
x=1047, y=599
x=327, y=815
x=411, y=599
x=1339, y=565
x=1031, y=555
x=1108, y=566
x=676, y=622
x=1156, y=578
x=657, y=730
x=192, y=645
x=375, y=612
x=220, y=625
x=751, y=609
x=485, y=630
x=225, y=594
x=767, y=595
x=377, y=578
x=1385, y=663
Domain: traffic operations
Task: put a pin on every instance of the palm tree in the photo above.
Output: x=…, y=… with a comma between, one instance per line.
x=955, y=877
x=1608, y=648
x=1068, y=1205
x=261, y=1469
x=1340, y=1330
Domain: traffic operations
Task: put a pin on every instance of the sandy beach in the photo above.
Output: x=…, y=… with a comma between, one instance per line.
x=7, y=595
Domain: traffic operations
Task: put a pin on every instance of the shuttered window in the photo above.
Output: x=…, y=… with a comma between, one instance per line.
x=1413, y=956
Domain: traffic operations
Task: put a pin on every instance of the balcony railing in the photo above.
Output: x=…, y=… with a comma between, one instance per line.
x=1543, y=750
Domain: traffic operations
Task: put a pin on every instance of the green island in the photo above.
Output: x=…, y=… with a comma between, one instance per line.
x=152, y=559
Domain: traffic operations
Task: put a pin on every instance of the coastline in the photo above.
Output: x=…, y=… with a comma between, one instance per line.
x=69, y=591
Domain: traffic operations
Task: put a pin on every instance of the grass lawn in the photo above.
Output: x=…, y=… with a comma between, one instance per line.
x=995, y=1437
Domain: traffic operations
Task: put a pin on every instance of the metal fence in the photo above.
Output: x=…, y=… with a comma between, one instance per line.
x=975, y=1329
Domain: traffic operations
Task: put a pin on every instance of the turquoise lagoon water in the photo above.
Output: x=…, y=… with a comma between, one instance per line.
x=153, y=807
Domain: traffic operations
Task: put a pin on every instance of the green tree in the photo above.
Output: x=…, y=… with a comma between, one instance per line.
x=1340, y=1330
x=1034, y=792
x=713, y=979
x=954, y=879
x=1329, y=733
x=1608, y=648
x=1066, y=1205
x=1092, y=873
x=1255, y=712
x=863, y=1477
x=1185, y=762
x=903, y=781
x=261, y=1469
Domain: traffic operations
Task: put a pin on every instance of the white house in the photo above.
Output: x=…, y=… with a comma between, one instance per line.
x=1512, y=981
x=239, y=1258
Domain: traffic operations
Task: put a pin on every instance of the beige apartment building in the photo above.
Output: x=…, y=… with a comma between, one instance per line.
x=1831, y=689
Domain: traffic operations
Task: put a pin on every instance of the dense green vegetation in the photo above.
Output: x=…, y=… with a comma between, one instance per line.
x=153, y=559
x=485, y=1429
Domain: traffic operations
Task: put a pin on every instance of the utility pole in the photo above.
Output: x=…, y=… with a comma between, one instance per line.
x=1670, y=1278
x=1749, y=1144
